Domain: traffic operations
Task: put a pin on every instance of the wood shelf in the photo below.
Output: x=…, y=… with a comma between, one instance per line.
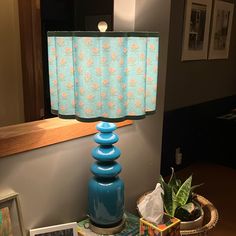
x=27, y=136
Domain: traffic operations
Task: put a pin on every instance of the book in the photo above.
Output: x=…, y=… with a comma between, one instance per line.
x=131, y=227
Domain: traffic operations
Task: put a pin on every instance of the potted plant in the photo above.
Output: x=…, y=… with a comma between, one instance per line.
x=180, y=202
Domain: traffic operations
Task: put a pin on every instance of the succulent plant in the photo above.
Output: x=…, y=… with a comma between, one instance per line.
x=178, y=198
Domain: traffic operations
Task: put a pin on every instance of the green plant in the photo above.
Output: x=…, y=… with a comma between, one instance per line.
x=178, y=198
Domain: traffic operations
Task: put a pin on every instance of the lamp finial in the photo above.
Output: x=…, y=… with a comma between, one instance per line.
x=102, y=26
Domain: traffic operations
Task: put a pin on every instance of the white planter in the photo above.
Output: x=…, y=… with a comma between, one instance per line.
x=189, y=225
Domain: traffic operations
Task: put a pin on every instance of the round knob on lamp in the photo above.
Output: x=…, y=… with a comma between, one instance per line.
x=102, y=26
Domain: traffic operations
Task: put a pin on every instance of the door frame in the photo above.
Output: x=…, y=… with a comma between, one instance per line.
x=31, y=57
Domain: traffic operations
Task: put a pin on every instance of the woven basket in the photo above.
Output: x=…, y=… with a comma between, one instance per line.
x=210, y=217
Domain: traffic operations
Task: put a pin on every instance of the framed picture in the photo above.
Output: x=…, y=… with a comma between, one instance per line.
x=196, y=29
x=221, y=30
x=69, y=229
x=11, y=222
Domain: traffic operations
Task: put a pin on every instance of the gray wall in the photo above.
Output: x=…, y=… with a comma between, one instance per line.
x=194, y=82
x=154, y=15
x=52, y=181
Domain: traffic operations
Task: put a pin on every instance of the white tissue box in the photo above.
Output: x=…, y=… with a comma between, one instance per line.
x=168, y=227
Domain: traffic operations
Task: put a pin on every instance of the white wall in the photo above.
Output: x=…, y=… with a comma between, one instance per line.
x=52, y=181
x=11, y=92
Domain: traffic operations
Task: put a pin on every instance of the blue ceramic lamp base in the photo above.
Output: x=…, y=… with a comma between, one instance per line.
x=106, y=189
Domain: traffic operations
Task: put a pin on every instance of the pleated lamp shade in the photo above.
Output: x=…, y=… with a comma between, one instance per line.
x=110, y=76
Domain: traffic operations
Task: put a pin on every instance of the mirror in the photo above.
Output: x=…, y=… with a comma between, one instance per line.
x=24, y=89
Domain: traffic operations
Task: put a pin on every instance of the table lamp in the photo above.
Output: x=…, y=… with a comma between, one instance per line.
x=108, y=77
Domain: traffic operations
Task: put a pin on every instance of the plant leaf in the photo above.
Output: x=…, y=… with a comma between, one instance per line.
x=184, y=212
x=172, y=177
x=167, y=197
x=196, y=186
x=184, y=191
x=189, y=207
x=162, y=181
x=173, y=182
x=178, y=182
x=174, y=203
x=188, y=212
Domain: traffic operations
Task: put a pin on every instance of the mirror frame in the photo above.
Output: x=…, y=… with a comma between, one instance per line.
x=31, y=51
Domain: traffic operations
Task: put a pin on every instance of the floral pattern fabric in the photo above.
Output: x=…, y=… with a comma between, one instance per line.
x=103, y=77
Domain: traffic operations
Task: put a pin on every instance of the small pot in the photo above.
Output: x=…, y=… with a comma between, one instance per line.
x=194, y=224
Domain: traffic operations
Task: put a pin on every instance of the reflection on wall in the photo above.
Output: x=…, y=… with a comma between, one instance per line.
x=11, y=92
x=124, y=15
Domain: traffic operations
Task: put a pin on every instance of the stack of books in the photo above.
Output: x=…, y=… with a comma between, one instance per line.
x=131, y=227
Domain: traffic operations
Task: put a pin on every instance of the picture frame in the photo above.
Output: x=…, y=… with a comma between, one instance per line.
x=221, y=30
x=11, y=221
x=68, y=229
x=196, y=29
